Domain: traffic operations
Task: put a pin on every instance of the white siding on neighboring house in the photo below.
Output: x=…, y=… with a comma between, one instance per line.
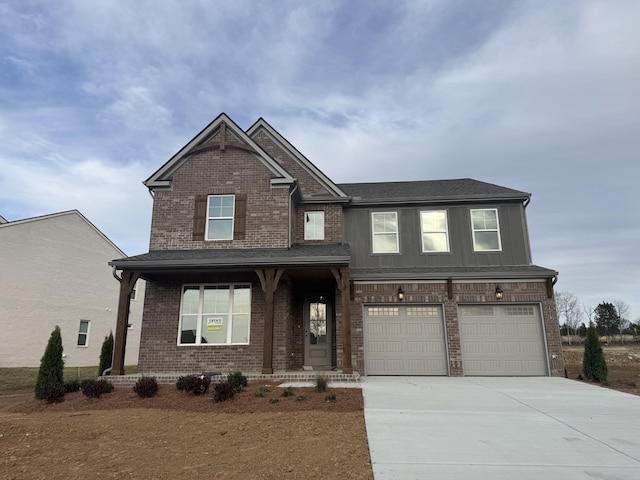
x=54, y=271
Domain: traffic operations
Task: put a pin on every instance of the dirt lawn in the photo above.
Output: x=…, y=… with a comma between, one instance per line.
x=623, y=365
x=177, y=435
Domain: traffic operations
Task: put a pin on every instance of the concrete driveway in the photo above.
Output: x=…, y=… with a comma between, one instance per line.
x=500, y=428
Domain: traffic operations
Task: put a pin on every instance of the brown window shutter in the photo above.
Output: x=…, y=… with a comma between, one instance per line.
x=199, y=217
x=240, y=220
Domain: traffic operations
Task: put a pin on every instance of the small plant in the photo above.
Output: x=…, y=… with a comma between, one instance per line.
x=181, y=383
x=72, y=386
x=288, y=392
x=262, y=392
x=330, y=398
x=51, y=366
x=301, y=398
x=322, y=383
x=106, y=354
x=146, y=387
x=238, y=380
x=95, y=388
x=630, y=383
x=223, y=391
x=198, y=384
x=273, y=401
x=52, y=393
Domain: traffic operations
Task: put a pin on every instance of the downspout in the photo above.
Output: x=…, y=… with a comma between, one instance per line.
x=293, y=190
x=113, y=352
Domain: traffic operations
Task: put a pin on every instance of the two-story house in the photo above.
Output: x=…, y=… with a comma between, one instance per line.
x=259, y=262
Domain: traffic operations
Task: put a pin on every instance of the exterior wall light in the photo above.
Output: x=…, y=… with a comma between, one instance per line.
x=498, y=292
x=400, y=294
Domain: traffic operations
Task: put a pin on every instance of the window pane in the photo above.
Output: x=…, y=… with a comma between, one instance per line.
x=477, y=218
x=487, y=241
x=240, y=329
x=433, y=222
x=216, y=300
x=314, y=226
x=190, y=299
x=220, y=230
x=188, y=329
x=434, y=242
x=84, y=326
x=241, y=300
x=82, y=340
x=214, y=328
x=384, y=222
x=490, y=219
x=387, y=243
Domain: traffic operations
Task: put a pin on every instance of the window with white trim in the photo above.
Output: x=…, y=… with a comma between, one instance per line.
x=220, y=209
x=314, y=225
x=83, y=333
x=435, y=235
x=215, y=315
x=384, y=227
x=486, y=230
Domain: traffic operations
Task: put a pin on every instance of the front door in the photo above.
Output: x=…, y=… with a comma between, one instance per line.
x=317, y=329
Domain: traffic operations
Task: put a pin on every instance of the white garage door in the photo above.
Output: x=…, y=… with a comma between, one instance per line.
x=404, y=340
x=502, y=340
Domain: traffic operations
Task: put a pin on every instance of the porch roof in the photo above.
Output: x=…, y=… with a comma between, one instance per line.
x=323, y=255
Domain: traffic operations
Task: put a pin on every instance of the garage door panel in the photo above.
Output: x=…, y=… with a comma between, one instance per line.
x=410, y=343
x=510, y=343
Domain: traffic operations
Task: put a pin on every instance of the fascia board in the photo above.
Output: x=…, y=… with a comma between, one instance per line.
x=358, y=201
x=159, y=178
x=493, y=276
x=304, y=162
x=149, y=265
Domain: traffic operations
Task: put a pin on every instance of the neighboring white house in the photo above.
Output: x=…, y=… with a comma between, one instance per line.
x=54, y=271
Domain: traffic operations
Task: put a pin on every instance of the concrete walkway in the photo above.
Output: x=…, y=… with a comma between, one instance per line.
x=500, y=428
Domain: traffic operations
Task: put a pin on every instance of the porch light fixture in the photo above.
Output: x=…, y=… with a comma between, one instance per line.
x=400, y=294
x=498, y=292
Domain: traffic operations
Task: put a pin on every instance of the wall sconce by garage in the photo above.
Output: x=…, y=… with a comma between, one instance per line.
x=498, y=292
x=400, y=294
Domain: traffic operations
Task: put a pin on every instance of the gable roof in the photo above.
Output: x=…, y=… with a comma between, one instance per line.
x=52, y=216
x=3, y=220
x=262, y=125
x=434, y=191
x=162, y=177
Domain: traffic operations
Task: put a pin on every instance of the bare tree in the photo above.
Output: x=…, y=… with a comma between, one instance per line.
x=623, y=316
x=568, y=307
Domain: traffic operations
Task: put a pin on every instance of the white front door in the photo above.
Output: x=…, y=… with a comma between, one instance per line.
x=317, y=329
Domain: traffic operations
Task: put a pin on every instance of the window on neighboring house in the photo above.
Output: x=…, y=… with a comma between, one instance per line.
x=215, y=315
x=314, y=225
x=435, y=236
x=83, y=333
x=385, y=232
x=134, y=291
x=220, y=217
x=486, y=230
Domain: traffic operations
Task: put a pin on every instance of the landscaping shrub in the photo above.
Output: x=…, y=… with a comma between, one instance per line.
x=238, y=380
x=330, y=398
x=594, y=365
x=197, y=384
x=181, y=383
x=51, y=367
x=52, y=393
x=95, y=388
x=146, y=387
x=322, y=383
x=106, y=354
x=262, y=391
x=72, y=386
x=223, y=391
x=288, y=392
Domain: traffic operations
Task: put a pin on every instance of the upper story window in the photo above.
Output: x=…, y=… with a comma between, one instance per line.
x=215, y=315
x=486, y=230
x=220, y=217
x=83, y=333
x=435, y=235
x=385, y=232
x=314, y=225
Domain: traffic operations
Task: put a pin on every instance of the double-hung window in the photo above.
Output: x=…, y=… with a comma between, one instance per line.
x=215, y=315
x=314, y=225
x=435, y=236
x=83, y=333
x=486, y=230
x=385, y=232
x=220, y=210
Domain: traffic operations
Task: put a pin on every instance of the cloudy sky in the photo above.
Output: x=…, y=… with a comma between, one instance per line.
x=540, y=96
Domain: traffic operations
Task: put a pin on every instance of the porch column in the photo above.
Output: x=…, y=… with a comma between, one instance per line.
x=269, y=279
x=344, y=285
x=127, y=283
